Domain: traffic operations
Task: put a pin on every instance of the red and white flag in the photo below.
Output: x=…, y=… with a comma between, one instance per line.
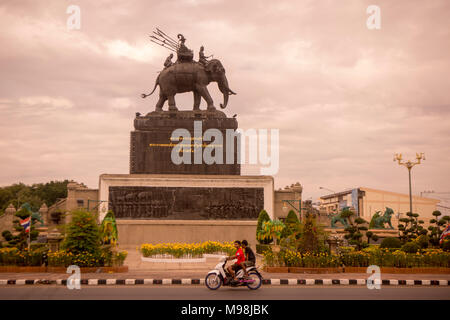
x=26, y=224
x=445, y=234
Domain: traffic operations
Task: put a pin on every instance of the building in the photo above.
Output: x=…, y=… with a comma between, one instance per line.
x=78, y=196
x=367, y=201
x=443, y=197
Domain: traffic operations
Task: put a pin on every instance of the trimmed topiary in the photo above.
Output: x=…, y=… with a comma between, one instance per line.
x=263, y=216
x=391, y=242
x=291, y=223
x=410, y=247
x=422, y=241
x=291, y=218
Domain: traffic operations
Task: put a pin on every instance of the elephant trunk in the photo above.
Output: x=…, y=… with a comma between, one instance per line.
x=223, y=87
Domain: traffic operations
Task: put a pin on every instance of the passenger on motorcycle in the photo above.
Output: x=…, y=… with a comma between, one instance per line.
x=240, y=258
x=250, y=259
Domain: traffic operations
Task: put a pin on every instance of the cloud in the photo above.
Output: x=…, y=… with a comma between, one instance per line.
x=139, y=52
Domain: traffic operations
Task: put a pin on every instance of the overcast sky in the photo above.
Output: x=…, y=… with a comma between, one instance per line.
x=345, y=98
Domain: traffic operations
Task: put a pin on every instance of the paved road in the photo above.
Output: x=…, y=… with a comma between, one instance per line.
x=201, y=293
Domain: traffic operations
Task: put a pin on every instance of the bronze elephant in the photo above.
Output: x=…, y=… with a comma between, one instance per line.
x=191, y=76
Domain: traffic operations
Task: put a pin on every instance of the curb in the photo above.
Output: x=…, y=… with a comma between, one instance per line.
x=273, y=282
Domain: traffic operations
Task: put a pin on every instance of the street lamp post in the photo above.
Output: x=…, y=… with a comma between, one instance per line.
x=408, y=164
x=333, y=195
x=327, y=189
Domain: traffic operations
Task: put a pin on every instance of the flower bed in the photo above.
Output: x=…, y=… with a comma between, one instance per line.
x=186, y=250
x=16, y=269
x=429, y=270
x=435, y=258
x=15, y=257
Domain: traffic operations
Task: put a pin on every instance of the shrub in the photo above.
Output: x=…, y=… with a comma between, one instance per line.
x=271, y=230
x=21, y=239
x=119, y=258
x=437, y=226
x=422, y=241
x=411, y=227
x=263, y=217
x=370, y=235
x=365, y=258
x=261, y=248
x=391, y=242
x=15, y=257
x=312, y=236
x=410, y=247
x=446, y=245
x=82, y=233
x=108, y=229
x=292, y=224
x=7, y=235
x=353, y=231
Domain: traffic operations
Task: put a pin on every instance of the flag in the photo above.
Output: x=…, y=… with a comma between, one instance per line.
x=26, y=224
x=444, y=234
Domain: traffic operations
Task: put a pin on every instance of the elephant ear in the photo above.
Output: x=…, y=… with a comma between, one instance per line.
x=211, y=67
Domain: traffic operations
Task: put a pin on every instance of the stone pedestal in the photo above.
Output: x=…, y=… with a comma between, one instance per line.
x=334, y=244
x=151, y=144
x=185, y=197
x=54, y=239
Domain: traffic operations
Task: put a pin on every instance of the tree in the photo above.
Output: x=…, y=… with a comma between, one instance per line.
x=438, y=227
x=35, y=194
x=312, y=237
x=21, y=239
x=292, y=225
x=411, y=227
x=263, y=216
x=82, y=233
x=370, y=235
x=271, y=230
x=108, y=229
x=354, y=234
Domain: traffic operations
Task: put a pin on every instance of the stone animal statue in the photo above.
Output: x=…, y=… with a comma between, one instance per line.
x=35, y=215
x=338, y=218
x=379, y=220
x=191, y=77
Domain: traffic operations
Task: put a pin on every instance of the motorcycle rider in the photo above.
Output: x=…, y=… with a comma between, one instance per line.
x=250, y=259
x=232, y=269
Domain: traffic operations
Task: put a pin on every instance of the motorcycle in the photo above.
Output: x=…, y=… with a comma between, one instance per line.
x=220, y=276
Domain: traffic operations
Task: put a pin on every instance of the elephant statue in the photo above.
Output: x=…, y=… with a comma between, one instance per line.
x=191, y=76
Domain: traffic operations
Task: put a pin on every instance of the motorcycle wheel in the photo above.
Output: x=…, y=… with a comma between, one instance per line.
x=257, y=281
x=213, y=281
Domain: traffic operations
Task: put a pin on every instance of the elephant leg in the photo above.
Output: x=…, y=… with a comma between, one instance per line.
x=160, y=103
x=172, y=106
x=205, y=95
x=197, y=98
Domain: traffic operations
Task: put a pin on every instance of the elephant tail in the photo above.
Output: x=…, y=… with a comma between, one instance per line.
x=154, y=88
